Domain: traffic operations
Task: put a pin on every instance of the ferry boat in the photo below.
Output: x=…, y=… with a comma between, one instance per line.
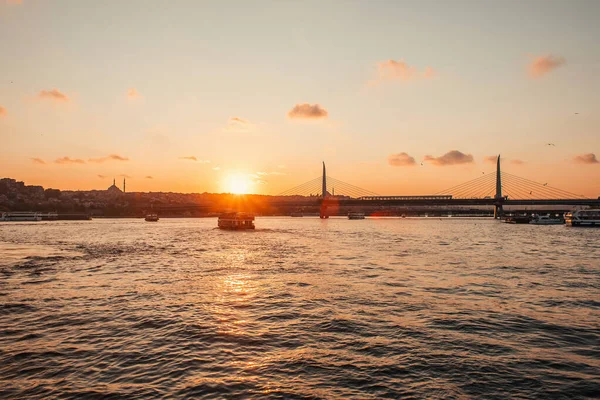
x=21, y=216
x=546, y=220
x=151, y=217
x=583, y=218
x=236, y=221
x=356, y=215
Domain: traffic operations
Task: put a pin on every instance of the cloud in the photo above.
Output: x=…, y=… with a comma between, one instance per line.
x=3, y=111
x=111, y=157
x=392, y=70
x=517, y=162
x=262, y=173
x=148, y=177
x=125, y=176
x=194, y=158
x=101, y=176
x=453, y=157
x=307, y=111
x=68, y=160
x=544, y=64
x=401, y=160
x=36, y=160
x=588, y=158
x=216, y=168
x=53, y=94
x=237, y=124
x=132, y=93
x=490, y=159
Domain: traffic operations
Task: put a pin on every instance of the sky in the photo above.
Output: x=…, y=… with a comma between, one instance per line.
x=397, y=97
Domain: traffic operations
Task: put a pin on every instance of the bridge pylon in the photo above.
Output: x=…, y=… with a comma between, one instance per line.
x=323, y=214
x=498, y=198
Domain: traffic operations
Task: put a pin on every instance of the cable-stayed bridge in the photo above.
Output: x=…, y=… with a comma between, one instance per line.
x=498, y=189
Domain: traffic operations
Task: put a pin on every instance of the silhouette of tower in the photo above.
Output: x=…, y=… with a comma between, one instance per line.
x=324, y=186
x=123, y=185
x=499, y=199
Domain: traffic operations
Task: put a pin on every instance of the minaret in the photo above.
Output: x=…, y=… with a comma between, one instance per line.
x=114, y=182
x=123, y=185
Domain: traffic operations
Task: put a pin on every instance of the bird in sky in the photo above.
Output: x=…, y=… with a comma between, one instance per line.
x=576, y=113
x=550, y=144
x=545, y=184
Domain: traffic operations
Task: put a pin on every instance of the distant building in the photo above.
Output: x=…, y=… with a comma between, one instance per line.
x=113, y=189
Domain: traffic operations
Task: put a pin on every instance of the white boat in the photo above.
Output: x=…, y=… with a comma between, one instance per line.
x=546, y=220
x=236, y=221
x=151, y=217
x=21, y=216
x=356, y=215
x=587, y=218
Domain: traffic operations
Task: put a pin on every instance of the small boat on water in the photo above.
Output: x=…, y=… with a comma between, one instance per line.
x=583, y=218
x=236, y=221
x=546, y=220
x=356, y=215
x=21, y=216
x=152, y=218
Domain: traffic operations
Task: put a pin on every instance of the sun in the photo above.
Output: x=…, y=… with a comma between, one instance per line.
x=237, y=184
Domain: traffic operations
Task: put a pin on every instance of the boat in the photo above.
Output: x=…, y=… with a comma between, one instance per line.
x=356, y=215
x=236, y=221
x=21, y=216
x=583, y=218
x=546, y=220
x=517, y=219
x=151, y=217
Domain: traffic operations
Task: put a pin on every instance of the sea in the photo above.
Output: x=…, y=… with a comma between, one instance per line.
x=300, y=308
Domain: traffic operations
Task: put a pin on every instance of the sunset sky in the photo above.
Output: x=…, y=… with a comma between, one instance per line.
x=189, y=95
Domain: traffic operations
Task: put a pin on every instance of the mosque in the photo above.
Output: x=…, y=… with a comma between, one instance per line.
x=114, y=189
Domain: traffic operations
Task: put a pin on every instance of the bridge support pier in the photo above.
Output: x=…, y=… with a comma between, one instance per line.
x=323, y=214
x=498, y=211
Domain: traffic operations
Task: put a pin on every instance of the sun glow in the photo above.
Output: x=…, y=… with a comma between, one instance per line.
x=238, y=184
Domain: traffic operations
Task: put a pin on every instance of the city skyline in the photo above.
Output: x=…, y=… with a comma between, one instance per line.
x=394, y=97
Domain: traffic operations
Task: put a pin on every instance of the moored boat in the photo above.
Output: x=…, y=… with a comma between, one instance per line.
x=21, y=216
x=356, y=215
x=517, y=219
x=546, y=220
x=236, y=221
x=583, y=218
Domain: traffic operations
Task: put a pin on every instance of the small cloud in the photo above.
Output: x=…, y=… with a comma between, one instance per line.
x=148, y=177
x=262, y=173
x=588, y=158
x=453, y=157
x=392, y=70
x=237, y=124
x=111, y=157
x=517, y=162
x=260, y=182
x=191, y=158
x=125, y=176
x=3, y=111
x=132, y=93
x=68, y=160
x=38, y=161
x=307, y=111
x=216, y=168
x=490, y=159
x=401, y=160
x=544, y=64
x=53, y=94
x=101, y=176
